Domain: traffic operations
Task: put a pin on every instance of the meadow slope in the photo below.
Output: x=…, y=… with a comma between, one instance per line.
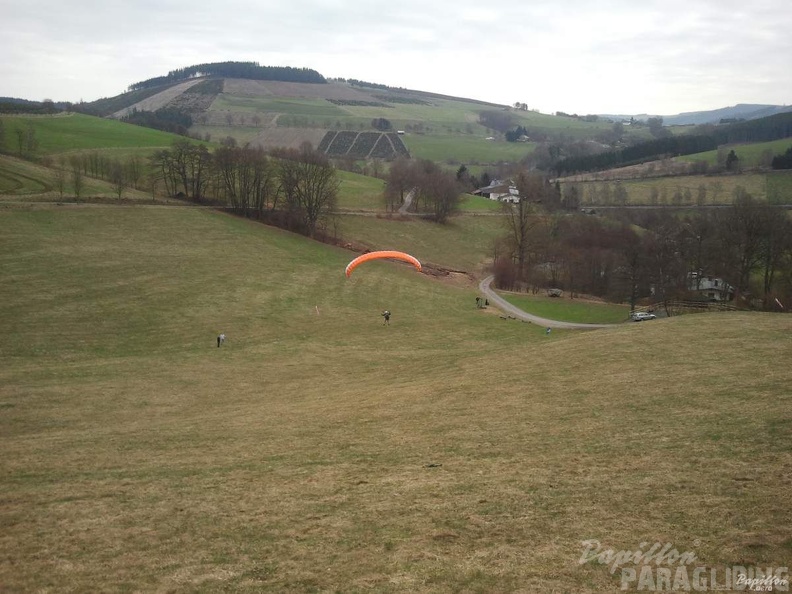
x=320, y=451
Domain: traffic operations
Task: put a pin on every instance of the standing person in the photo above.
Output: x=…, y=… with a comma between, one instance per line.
x=547, y=332
x=386, y=317
x=220, y=339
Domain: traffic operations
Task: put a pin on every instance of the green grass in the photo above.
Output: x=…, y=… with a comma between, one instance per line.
x=569, y=310
x=30, y=181
x=464, y=243
x=465, y=149
x=779, y=187
x=318, y=108
x=360, y=192
x=320, y=451
x=69, y=132
x=478, y=204
x=719, y=189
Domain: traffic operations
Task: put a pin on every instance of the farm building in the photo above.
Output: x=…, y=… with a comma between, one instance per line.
x=710, y=288
x=502, y=191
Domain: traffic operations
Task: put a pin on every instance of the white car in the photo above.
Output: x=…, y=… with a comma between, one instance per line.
x=640, y=316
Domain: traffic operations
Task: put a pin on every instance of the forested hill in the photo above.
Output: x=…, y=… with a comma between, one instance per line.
x=249, y=70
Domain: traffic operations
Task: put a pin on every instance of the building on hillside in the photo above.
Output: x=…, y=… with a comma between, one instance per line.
x=500, y=190
x=709, y=288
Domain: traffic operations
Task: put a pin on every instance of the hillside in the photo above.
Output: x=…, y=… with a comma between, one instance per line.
x=282, y=113
x=741, y=111
x=321, y=451
x=66, y=132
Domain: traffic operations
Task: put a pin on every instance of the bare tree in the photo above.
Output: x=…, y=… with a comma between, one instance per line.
x=27, y=142
x=60, y=180
x=775, y=248
x=118, y=178
x=521, y=217
x=77, y=177
x=309, y=186
x=740, y=231
x=401, y=179
x=134, y=171
x=441, y=190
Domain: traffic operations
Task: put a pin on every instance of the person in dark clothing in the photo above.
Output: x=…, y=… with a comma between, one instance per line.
x=386, y=317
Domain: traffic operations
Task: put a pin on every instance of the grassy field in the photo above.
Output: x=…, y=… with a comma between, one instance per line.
x=21, y=179
x=360, y=192
x=569, y=310
x=68, y=132
x=478, y=204
x=320, y=451
x=314, y=108
x=464, y=243
x=446, y=148
x=717, y=189
x=779, y=187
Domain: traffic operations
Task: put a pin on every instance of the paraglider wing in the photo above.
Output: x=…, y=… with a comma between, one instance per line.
x=381, y=255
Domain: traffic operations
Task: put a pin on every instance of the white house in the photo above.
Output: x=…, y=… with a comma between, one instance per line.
x=502, y=191
x=710, y=288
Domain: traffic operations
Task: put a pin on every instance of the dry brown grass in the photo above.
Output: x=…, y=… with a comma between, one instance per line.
x=453, y=451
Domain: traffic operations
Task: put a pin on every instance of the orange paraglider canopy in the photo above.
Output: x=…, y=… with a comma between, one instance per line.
x=380, y=255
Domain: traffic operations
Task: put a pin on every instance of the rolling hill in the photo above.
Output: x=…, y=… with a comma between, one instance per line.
x=273, y=113
x=741, y=111
x=318, y=450
x=456, y=450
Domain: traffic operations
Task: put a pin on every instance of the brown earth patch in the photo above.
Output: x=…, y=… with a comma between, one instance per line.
x=159, y=100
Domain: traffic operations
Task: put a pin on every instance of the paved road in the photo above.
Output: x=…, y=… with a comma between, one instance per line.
x=509, y=309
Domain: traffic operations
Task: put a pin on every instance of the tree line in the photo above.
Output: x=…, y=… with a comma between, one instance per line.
x=167, y=119
x=11, y=105
x=649, y=150
x=247, y=70
x=783, y=161
x=434, y=192
x=296, y=189
x=654, y=256
x=706, y=138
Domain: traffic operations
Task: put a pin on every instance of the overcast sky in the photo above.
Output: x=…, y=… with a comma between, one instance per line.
x=579, y=56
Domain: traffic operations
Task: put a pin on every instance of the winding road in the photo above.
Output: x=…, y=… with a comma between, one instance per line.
x=509, y=309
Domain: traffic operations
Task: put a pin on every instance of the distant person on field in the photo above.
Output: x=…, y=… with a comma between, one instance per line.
x=220, y=339
x=547, y=332
x=386, y=317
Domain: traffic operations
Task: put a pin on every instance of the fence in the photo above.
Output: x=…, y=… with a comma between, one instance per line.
x=678, y=307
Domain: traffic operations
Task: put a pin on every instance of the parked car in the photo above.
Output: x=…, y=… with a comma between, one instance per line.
x=640, y=316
